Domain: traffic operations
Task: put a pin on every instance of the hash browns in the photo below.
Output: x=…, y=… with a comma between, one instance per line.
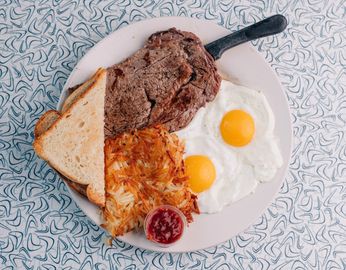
x=144, y=169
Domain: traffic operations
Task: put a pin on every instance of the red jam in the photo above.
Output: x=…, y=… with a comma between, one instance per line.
x=164, y=225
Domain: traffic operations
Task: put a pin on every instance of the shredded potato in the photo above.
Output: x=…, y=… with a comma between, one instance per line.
x=144, y=169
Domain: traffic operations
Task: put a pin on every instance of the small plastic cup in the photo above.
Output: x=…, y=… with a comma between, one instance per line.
x=152, y=213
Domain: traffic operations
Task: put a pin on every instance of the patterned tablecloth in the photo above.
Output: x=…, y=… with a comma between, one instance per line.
x=304, y=227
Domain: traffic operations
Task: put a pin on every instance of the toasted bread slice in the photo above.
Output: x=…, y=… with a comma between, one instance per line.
x=47, y=119
x=73, y=145
x=82, y=189
x=78, y=92
x=45, y=122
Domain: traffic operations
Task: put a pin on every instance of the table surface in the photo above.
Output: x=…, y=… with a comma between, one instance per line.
x=304, y=227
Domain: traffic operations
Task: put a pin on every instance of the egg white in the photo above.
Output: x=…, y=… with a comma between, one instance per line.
x=239, y=170
x=262, y=153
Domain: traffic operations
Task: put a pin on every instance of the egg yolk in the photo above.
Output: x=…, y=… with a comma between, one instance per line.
x=201, y=172
x=237, y=128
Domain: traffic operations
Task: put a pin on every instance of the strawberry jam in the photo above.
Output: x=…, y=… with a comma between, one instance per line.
x=164, y=225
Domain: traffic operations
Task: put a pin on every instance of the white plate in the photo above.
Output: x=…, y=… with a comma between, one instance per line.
x=243, y=65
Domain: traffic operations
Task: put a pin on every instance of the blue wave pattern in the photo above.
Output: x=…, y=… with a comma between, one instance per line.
x=304, y=228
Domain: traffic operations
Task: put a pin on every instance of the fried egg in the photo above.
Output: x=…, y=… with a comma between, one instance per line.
x=230, y=147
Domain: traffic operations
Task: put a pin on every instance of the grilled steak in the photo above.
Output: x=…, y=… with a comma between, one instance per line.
x=165, y=82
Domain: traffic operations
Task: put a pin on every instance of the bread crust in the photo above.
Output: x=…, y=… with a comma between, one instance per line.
x=95, y=196
x=76, y=94
x=77, y=187
x=45, y=122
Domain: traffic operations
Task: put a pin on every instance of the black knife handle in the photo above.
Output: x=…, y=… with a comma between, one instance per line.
x=270, y=26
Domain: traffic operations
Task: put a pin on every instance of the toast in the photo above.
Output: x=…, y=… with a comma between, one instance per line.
x=45, y=122
x=78, y=92
x=49, y=117
x=42, y=125
x=73, y=144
